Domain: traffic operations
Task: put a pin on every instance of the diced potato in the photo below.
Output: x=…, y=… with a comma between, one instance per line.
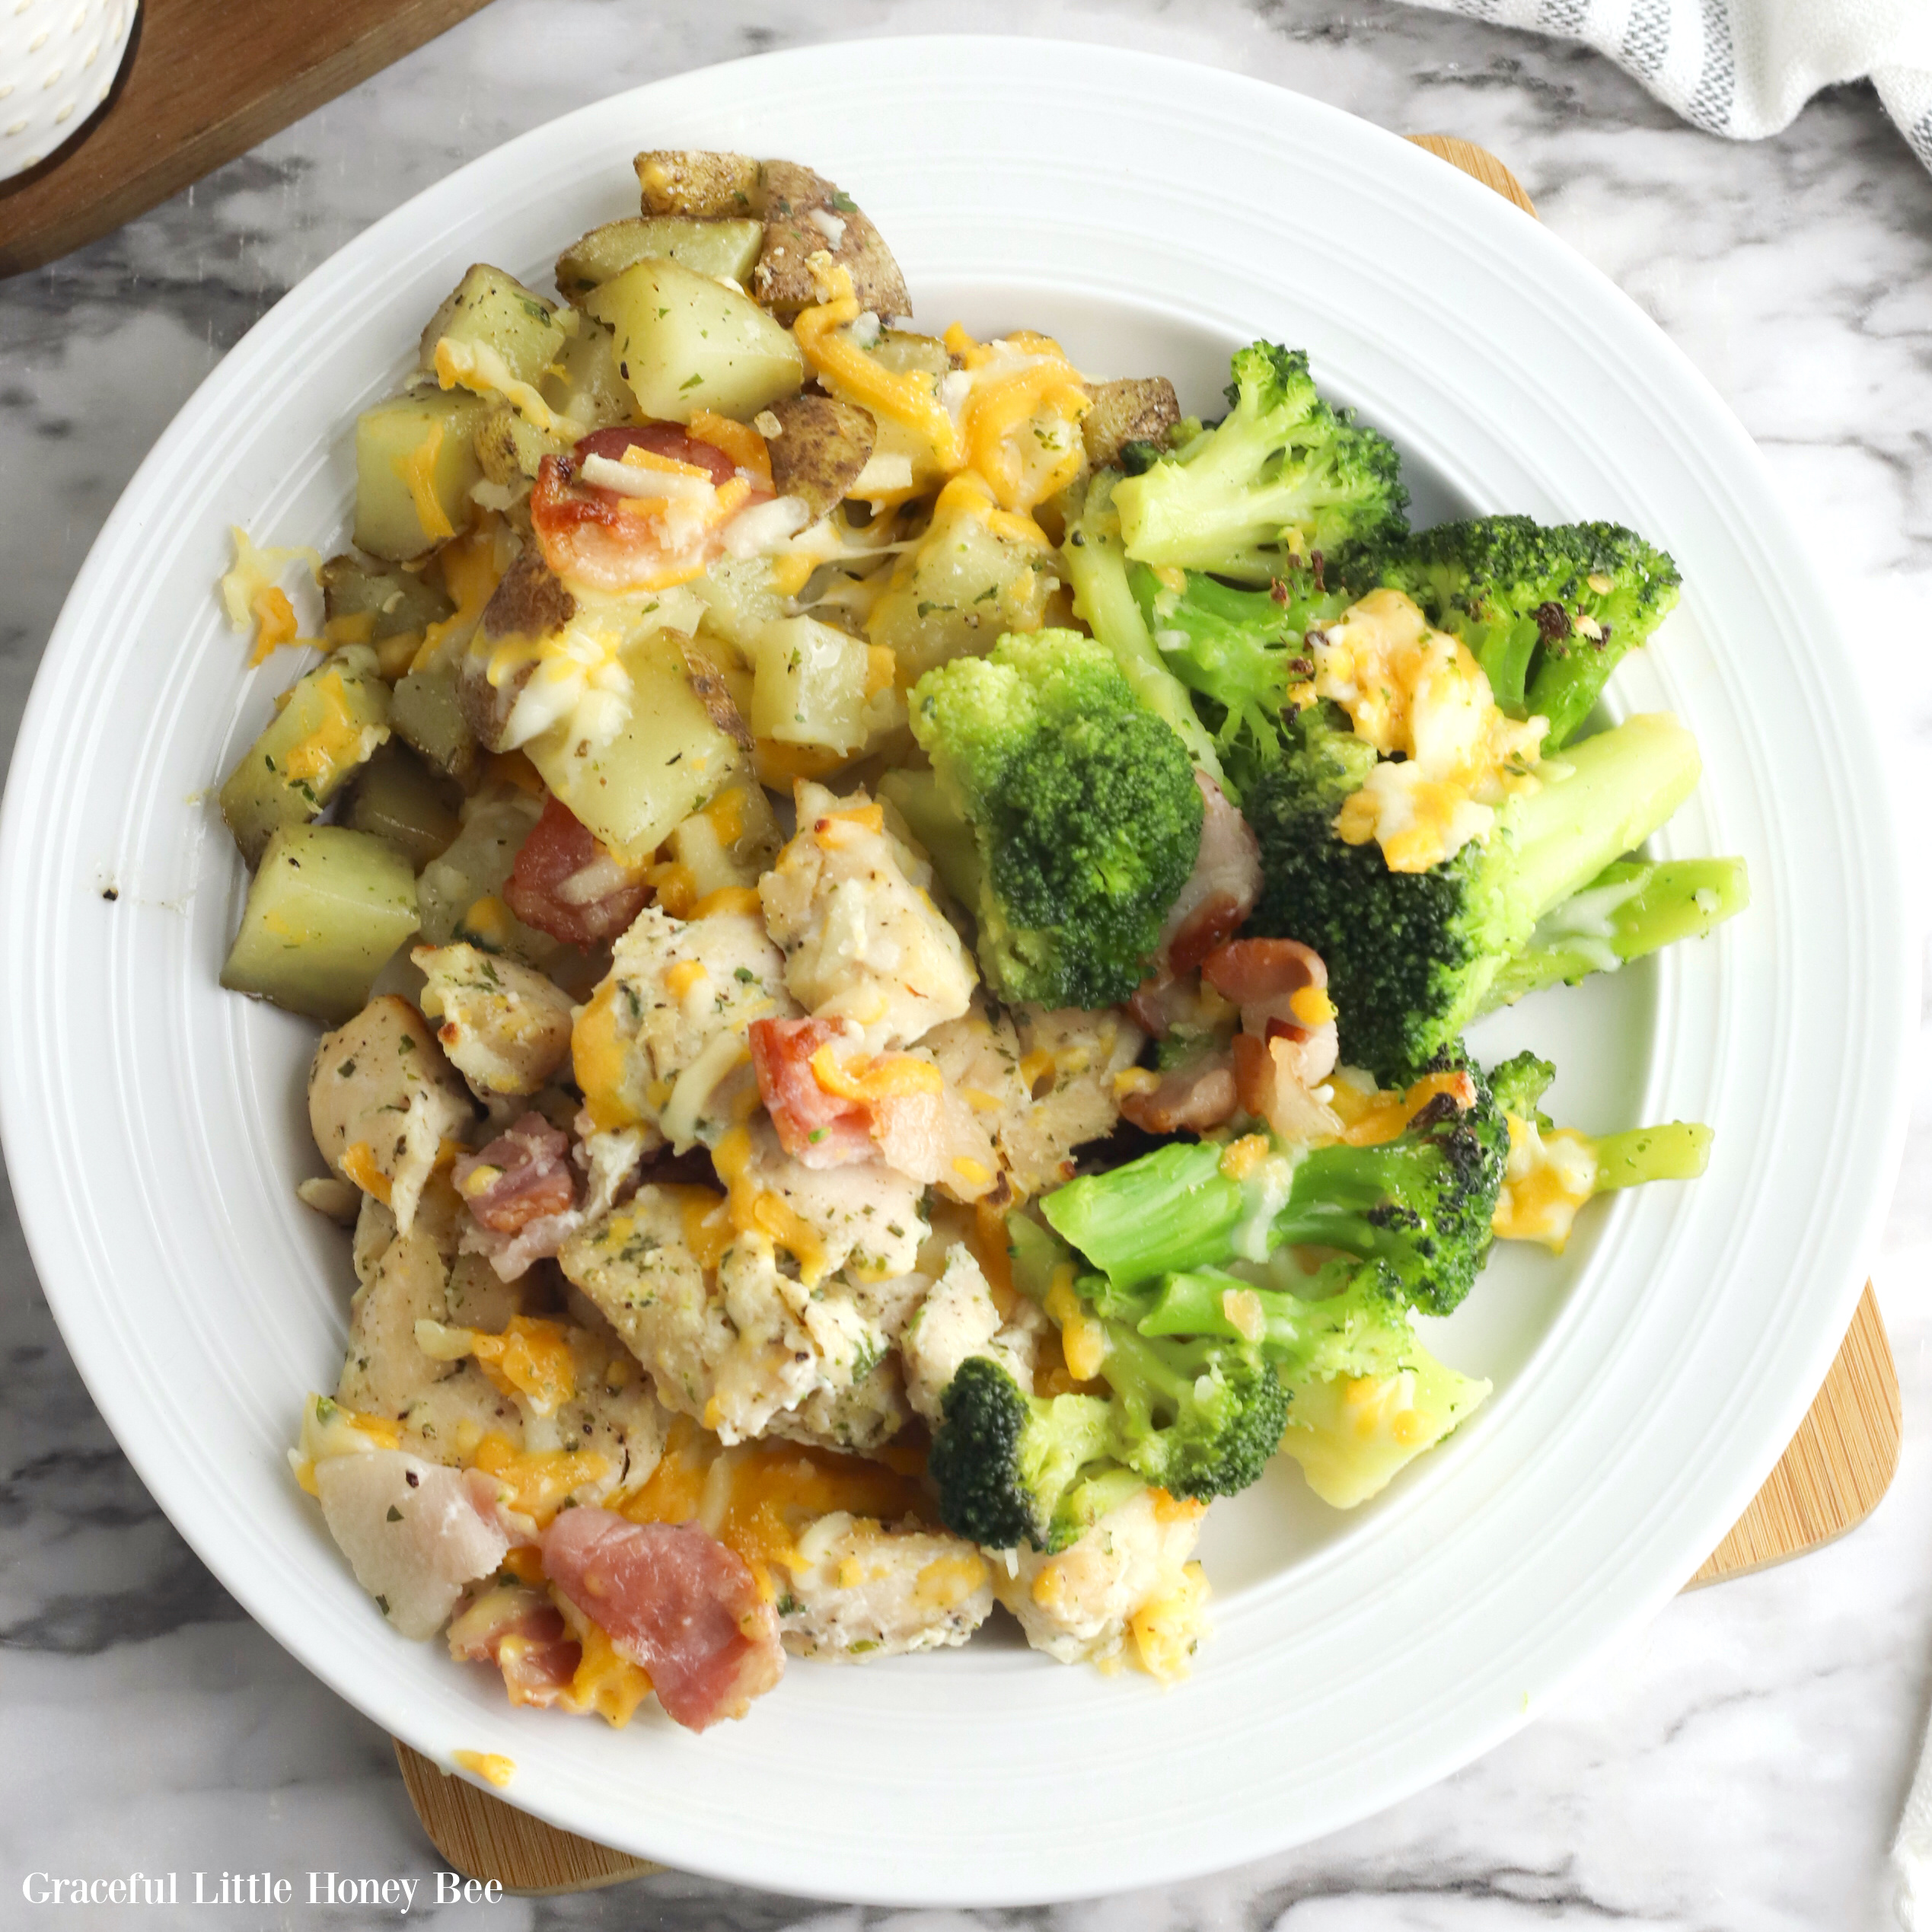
x=327, y=908
x=488, y=925
x=805, y=214
x=901, y=349
x=489, y=309
x=731, y=842
x=426, y=714
x=416, y=465
x=711, y=247
x=670, y=757
x=821, y=446
x=811, y=686
x=395, y=601
x=510, y=450
x=590, y=389
x=972, y=577
x=686, y=343
x=696, y=181
x=399, y=799
x=477, y=865
x=332, y=721
x=530, y=604
x=1136, y=409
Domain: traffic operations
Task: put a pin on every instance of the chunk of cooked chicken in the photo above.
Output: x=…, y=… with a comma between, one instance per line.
x=382, y=1100
x=661, y=1044
x=959, y=1317
x=850, y=903
x=414, y=1532
x=446, y=1404
x=729, y=1335
x=506, y=1027
x=864, y=1218
x=859, y=1589
x=1079, y=1606
x=859, y=1419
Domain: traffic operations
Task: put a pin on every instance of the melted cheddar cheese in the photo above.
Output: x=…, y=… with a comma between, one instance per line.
x=1548, y=1177
x=250, y=595
x=1449, y=754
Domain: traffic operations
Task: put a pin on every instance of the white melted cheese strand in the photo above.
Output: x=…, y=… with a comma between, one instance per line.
x=634, y=479
x=765, y=527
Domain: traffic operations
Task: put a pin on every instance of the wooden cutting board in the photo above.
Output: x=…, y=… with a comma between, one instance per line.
x=205, y=80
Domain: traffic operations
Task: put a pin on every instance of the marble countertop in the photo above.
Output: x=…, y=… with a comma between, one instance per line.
x=1741, y=1764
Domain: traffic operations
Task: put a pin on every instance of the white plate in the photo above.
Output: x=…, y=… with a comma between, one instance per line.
x=1153, y=215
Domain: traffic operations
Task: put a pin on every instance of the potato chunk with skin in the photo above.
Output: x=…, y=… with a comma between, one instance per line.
x=1077, y=1606
x=805, y=215
x=859, y=1589
x=850, y=902
x=674, y=1007
x=1136, y=409
x=696, y=181
x=504, y=1027
x=382, y=1100
x=820, y=446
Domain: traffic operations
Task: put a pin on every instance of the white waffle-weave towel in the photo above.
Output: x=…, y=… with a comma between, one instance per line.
x=1911, y=1850
x=1744, y=68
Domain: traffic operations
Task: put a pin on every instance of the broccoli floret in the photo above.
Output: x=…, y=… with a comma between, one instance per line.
x=1241, y=652
x=1011, y=1468
x=1083, y=809
x=1365, y=1396
x=1583, y=1164
x=1628, y=909
x=1547, y=612
x=1419, y=1203
x=1519, y=1084
x=1096, y=570
x=1413, y=957
x=1197, y=1417
x=1282, y=476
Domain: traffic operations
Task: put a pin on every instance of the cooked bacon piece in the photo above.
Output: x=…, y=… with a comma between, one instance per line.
x=675, y=1601
x=933, y=1136
x=522, y=1633
x=521, y=1177
x=816, y=1128
x=1196, y=1096
x=564, y=883
x=1267, y=978
x=1252, y=972
x=618, y=542
x=1221, y=890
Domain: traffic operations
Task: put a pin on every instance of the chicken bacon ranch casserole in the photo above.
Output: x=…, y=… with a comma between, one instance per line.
x=897, y=920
